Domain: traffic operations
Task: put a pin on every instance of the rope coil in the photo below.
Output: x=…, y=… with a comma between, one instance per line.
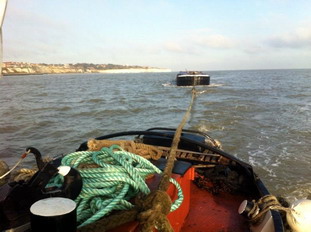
x=120, y=176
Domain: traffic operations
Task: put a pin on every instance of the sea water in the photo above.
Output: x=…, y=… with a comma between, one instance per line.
x=261, y=116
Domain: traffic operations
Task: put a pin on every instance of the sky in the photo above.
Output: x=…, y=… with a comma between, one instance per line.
x=173, y=34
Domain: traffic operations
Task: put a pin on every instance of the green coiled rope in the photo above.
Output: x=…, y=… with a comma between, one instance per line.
x=119, y=177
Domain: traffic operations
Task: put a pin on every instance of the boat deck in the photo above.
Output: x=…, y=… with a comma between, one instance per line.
x=214, y=213
x=201, y=211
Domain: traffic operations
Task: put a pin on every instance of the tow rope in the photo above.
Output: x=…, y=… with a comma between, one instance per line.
x=154, y=215
x=172, y=155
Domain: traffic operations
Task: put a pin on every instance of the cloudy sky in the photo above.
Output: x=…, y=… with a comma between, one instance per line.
x=175, y=34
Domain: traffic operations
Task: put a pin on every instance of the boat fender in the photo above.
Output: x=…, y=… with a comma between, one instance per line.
x=299, y=218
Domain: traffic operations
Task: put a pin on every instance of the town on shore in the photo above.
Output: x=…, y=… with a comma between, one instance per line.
x=22, y=68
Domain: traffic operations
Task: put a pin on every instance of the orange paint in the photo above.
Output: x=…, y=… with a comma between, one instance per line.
x=200, y=210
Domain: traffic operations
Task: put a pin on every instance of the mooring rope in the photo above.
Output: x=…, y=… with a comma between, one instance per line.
x=120, y=175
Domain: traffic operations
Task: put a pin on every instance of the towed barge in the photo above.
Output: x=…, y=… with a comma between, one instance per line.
x=192, y=78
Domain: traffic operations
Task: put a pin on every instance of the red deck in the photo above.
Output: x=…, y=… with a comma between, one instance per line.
x=210, y=213
x=200, y=211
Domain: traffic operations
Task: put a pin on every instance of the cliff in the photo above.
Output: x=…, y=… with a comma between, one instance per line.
x=21, y=68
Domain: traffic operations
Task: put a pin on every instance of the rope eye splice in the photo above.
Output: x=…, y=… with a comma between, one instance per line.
x=117, y=177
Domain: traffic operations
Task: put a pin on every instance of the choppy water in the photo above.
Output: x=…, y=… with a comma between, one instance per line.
x=263, y=117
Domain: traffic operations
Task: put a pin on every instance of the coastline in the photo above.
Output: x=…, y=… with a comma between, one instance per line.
x=136, y=70
x=22, y=68
x=107, y=71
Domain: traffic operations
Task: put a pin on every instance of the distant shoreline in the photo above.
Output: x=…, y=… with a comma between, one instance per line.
x=108, y=71
x=137, y=70
x=22, y=68
x=22, y=74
